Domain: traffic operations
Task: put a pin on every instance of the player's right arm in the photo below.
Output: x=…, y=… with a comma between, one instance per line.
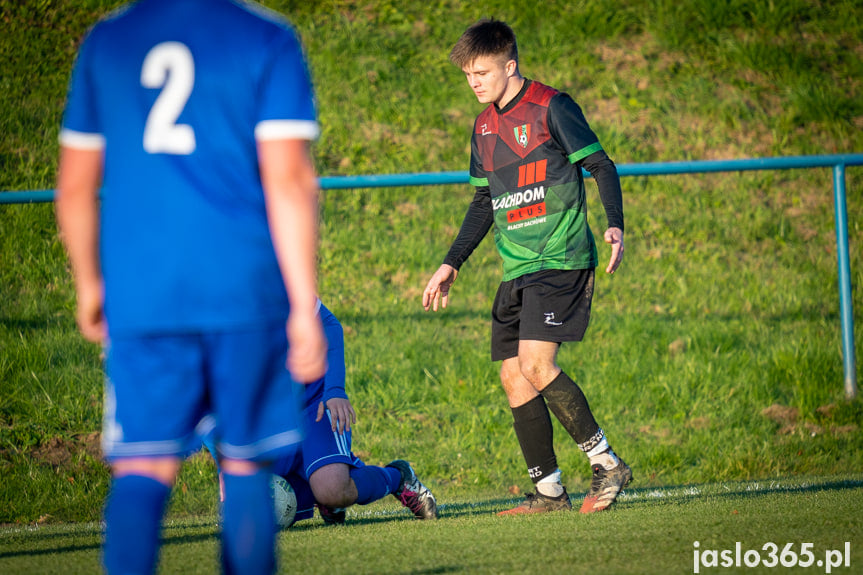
x=334, y=397
x=79, y=178
x=342, y=414
x=477, y=222
x=76, y=204
x=437, y=289
x=291, y=191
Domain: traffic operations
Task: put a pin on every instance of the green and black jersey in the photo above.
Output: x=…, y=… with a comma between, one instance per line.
x=526, y=162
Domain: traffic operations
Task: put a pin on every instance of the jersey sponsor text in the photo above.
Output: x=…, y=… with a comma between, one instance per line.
x=518, y=198
x=526, y=213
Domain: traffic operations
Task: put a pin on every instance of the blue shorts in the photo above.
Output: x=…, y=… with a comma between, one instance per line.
x=158, y=388
x=321, y=446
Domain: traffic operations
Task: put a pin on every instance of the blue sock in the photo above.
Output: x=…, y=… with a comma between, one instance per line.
x=133, y=519
x=375, y=483
x=248, y=525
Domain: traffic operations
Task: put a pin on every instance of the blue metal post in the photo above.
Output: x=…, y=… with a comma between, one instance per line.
x=836, y=161
x=845, y=303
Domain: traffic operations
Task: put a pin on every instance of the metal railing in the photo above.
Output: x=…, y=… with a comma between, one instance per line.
x=837, y=162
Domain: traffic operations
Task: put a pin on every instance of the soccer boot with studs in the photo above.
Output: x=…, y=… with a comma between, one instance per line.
x=413, y=494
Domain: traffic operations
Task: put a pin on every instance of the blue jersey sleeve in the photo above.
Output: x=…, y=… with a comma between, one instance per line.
x=334, y=380
x=82, y=124
x=281, y=117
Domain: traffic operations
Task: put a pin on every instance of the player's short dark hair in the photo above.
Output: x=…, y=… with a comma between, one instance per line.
x=487, y=37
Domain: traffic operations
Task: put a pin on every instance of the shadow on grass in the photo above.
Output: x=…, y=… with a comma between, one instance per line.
x=630, y=498
x=732, y=490
x=206, y=529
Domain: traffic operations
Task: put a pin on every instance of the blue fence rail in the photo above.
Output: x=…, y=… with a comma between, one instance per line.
x=837, y=162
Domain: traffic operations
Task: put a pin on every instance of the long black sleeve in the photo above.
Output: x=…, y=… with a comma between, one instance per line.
x=604, y=172
x=477, y=221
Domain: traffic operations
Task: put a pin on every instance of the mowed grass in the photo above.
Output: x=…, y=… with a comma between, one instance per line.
x=651, y=530
x=713, y=360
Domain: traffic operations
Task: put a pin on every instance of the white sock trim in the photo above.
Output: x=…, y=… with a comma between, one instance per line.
x=550, y=485
x=600, y=447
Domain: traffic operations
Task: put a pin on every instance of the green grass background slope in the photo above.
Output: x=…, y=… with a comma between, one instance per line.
x=714, y=354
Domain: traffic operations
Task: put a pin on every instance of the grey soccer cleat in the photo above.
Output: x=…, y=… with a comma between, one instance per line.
x=539, y=503
x=605, y=486
x=413, y=494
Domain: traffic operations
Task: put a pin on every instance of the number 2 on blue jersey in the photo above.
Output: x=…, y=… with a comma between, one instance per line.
x=171, y=67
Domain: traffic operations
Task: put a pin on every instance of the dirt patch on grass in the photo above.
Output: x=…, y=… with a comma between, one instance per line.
x=62, y=451
x=781, y=413
x=790, y=421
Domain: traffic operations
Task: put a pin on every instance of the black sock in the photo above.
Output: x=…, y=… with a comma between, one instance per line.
x=532, y=425
x=569, y=405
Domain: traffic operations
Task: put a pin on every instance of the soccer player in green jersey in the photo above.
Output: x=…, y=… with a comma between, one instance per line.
x=527, y=152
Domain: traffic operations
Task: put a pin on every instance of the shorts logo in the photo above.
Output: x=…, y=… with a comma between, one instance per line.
x=549, y=319
x=522, y=134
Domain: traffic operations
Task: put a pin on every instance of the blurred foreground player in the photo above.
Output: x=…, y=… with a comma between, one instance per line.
x=187, y=201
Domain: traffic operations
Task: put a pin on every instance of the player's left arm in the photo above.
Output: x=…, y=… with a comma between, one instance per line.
x=570, y=129
x=607, y=179
x=76, y=204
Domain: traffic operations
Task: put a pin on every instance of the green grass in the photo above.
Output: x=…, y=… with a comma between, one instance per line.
x=713, y=357
x=652, y=530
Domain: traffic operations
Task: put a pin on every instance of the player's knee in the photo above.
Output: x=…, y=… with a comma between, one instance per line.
x=537, y=371
x=162, y=469
x=335, y=496
x=531, y=371
x=332, y=486
x=510, y=373
x=239, y=466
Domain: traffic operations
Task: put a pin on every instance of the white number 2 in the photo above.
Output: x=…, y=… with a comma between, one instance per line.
x=169, y=66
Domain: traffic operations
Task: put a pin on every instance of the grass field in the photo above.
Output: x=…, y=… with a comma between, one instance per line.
x=652, y=530
x=713, y=359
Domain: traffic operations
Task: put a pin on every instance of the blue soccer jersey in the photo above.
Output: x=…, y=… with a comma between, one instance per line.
x=177, y=93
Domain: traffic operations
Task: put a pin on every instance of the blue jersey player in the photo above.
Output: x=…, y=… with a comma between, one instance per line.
x=327, y=472
x=187, y=201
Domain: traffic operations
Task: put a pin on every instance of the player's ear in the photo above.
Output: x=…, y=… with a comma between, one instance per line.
x=511, y=67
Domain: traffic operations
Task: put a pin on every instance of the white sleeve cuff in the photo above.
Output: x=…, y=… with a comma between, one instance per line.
x=81, y=140
x=287, y=130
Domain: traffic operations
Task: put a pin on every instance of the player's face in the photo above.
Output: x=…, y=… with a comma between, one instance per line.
x=489, y=78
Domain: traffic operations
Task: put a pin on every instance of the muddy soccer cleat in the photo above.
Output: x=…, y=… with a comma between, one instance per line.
x=413, y=494
x=332, y=515
x=605, y=486
x=539, y=503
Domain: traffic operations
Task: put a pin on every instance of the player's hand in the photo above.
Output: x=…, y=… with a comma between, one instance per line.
x=614, y=237
x=307, y=347
x=342, y=414
x=437, y=290
x=90, y=312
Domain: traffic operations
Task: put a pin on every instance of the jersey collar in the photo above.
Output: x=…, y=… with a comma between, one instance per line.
x=512, y=103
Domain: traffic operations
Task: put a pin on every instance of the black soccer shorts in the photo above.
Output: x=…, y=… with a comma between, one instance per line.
x=549, y=305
